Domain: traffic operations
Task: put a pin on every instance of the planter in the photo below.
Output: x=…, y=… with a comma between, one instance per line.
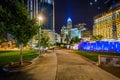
x=16, y=66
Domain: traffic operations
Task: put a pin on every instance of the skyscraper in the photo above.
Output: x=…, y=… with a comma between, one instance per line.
x=69, y=23
x=44, y=7
x=68, y=32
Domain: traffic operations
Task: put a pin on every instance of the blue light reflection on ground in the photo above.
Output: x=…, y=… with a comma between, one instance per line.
x=100, y=46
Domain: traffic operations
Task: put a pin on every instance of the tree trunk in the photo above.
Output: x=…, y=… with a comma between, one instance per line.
x=21, y=59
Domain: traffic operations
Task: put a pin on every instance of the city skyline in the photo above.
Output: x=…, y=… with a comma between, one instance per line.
x=79, y=11
x=61, y=40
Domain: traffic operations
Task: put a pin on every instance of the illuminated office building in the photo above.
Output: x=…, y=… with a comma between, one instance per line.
x=67, y=32
x=44, y=7
x=75, y=32
x=108, y=24
x=69, y=23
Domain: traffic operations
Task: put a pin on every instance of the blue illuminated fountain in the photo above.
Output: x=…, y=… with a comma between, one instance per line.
x=100, y=46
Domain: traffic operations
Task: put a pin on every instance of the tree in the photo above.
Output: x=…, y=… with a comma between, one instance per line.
x=44, y=40
x=3, y=38
x=75, y=40
x=2, y=28
x=15, y=20
x=97, y=37
x=93, y=38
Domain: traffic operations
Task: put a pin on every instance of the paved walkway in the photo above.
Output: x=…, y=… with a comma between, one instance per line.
x=44, y=68
x=72, y=67
x=61, y=65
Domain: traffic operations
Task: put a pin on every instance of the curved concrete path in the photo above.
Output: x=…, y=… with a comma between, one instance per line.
x=44, y=68
x=72, y=67
x=61, y=65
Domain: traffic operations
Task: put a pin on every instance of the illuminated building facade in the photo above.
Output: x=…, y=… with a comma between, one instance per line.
x=44, y=7
x=51, y=35
x=74, y=32
x=57, y=38
x=63, y=34
x=67, y=33
x=108, y=24
x=69, y=23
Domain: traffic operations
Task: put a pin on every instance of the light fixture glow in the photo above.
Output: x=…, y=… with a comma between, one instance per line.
x=40, y=18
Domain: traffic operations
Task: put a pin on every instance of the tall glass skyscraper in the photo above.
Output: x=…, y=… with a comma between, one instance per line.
x=44, y=7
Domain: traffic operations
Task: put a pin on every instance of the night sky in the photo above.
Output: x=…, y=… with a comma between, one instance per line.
x=80, y=11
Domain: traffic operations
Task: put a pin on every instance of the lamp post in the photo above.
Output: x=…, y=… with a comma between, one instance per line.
x=39, y=32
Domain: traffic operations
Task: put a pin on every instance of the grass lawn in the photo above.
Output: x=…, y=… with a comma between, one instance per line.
x=94, y=57
x=7, y=57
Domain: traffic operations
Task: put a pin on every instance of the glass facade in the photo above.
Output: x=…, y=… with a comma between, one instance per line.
x=44, y=7
x=75, y=32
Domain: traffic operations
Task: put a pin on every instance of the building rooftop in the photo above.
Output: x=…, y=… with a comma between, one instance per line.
x=69, y=20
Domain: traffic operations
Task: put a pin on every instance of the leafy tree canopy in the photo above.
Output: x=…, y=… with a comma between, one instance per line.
x=14, y=19
x=97, y=37
x=75, y=40
x=44, y=40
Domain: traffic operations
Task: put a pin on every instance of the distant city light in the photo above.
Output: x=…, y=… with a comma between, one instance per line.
x=69, y=20
x=91, y=3
x=98, y=7
x=95, y=0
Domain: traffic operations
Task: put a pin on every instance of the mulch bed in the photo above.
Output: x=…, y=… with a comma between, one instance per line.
x=113, y=70
x=16, y=66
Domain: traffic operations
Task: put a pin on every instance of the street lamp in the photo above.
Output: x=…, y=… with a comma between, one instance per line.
x=39, y=32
